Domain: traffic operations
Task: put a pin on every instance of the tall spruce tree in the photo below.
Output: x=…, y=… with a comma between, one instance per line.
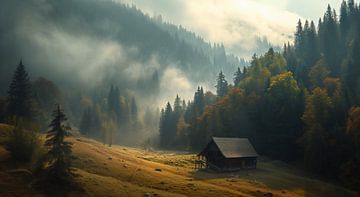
x=177, y=104
x=114, y=108
x=222, y=85
x=199, y=103
x=237, y=76
x=85, y=122
x=19, y=94
x=167, y=127
x=133, y=113
x=58, y=156
x=299, y=39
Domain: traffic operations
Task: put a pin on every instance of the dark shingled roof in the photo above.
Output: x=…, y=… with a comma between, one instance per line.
x=235, y=147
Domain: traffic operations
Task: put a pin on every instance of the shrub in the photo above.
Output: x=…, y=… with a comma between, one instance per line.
x=22, y=143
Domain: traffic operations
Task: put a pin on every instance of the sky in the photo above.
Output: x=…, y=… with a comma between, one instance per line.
x=238, y=22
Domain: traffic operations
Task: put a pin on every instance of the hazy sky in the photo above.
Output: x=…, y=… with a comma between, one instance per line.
x=235, y=22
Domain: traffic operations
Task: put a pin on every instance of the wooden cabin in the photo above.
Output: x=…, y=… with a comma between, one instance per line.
x=227, y=154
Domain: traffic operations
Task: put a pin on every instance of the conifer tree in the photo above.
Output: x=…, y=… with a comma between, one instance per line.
x=183, y=106
x=177, y=104
x=167, y=126
x=19, y=94
x=199, y=103
x=222, y=85
x=177, y=109
x=134, y=112
x=344, y=22
x=110, y=100
x=85, y=122
x=59, y=154
x=299, y=39
x=114, y=107
x=237, y=76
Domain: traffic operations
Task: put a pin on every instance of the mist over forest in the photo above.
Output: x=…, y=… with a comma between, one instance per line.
x=84, y=47
x=122, y=47
x=127, y=78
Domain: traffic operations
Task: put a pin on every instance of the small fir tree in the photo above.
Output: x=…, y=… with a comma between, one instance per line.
x=59, y=154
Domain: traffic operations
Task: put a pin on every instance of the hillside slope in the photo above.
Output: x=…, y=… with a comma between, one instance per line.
x=123, y=171
x=134, y=171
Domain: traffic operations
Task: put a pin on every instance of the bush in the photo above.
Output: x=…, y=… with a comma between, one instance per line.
x=22, y=143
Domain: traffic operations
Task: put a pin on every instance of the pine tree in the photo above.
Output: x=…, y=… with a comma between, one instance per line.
x=199, y=103
x=344, y=22
x=329, y=36
x=110, y=100
x=352, y=73
x=222, y=85
x=177, y=109
x=177, y=104
x=114, y=107
x=134, y=112
x=183, y=106
x=299, y=39
x=167, y=126
x=352, y=6
x=312, y=38
x=59, y=154
x=244, y=71
x=19, y=94
x=237, y=76
x=85, y=122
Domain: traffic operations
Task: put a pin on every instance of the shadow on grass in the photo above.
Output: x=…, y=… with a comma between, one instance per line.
x=278, y=176
x=59, y=187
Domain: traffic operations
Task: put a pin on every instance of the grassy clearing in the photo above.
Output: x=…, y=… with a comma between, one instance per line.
x=123, y=171
x=159, y=172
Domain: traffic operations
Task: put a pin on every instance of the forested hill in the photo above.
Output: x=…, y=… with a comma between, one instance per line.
x=299, y=105
x=197, y=42
x=97, y=40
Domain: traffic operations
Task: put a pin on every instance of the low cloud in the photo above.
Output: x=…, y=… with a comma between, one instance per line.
x=238, y=23
x=232, y=22
x=175, y=82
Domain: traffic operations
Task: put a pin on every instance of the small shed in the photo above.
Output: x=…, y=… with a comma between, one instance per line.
x=228, y=154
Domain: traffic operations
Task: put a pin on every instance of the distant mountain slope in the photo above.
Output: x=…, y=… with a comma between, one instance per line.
x=101, y=41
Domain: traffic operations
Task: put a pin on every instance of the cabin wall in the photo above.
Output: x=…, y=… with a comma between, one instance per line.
x=214, y=156
x=244, y=163
x=231, y=164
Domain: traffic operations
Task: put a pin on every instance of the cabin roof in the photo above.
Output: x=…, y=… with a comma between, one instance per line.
x=233, y=147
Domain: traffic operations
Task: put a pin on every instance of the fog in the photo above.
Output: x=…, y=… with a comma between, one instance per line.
x=51, y=47
x=84, y=48
x=238, y=23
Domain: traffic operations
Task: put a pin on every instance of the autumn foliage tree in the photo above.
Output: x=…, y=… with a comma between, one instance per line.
x=350, y=171
x=317, y=119
x=299, y=105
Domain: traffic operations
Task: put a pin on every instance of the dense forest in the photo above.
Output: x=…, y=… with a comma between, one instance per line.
x=299, y=105
x=124, y=53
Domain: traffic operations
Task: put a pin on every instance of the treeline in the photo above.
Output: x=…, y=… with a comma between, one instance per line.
x=216, y=53
x=111, y=117
x=115, y=119
x=298, y=105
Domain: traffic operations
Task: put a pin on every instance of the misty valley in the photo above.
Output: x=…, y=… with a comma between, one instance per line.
x=179, y=98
